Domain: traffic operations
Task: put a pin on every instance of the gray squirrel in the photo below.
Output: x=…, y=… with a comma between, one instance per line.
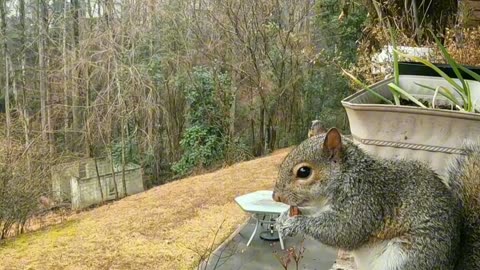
x=391, y=214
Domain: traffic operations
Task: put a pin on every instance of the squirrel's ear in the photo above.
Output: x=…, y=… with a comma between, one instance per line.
x=332, y=146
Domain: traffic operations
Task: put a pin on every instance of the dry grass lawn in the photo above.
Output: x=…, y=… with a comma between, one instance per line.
x=163, y=228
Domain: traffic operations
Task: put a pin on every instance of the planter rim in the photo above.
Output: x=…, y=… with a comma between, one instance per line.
x=417, y=68
x=349, y=104
x=410, y=110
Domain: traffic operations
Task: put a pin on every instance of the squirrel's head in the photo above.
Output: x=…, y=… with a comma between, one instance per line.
x=306, y=171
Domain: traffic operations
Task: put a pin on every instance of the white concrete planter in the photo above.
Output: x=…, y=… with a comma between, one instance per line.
x=429, y=135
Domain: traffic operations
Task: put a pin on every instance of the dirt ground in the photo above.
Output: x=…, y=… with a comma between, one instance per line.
x=167, y=227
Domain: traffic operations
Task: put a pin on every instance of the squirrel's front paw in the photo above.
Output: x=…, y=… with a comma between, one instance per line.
x=287, y=226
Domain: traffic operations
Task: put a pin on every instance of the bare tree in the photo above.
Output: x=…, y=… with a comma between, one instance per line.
x=6, y=58
x=42, y=20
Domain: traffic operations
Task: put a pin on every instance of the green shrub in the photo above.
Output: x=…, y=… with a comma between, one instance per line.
x=204, y=140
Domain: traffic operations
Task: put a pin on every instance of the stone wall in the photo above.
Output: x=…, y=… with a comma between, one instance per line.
x=61, y=175
x=86, y=191
x=86, y=182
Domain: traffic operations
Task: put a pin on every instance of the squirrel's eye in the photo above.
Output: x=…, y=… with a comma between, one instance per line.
x=304, y=172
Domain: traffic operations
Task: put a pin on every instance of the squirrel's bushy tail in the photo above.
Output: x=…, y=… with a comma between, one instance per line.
x=465, y=181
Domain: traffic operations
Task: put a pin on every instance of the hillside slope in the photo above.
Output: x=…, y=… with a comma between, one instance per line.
x=166, y=227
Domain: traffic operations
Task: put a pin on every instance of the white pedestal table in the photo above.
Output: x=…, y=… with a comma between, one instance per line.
x=264, y=210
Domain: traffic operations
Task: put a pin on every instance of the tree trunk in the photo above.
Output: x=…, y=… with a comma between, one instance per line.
x=42, y=24
x=99, y=181
x=5, y=54
x=23, y=103
x=113, y=172
x=252, y=126
x=261, y=135
x=231, y=129
x=77, y=124
x=88, y=141
x=65, y=74
x=122, y=120
x=89, y=8
x=123, y=158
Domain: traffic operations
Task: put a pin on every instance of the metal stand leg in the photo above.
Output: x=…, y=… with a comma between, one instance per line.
x=281, y=240
x=254, y=231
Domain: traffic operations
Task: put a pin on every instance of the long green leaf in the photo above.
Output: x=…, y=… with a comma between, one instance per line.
x=450, y=61
x=455, y=101
x=405, y=94
x=357, y=81
x=395, y=58
x=450, y=94
x=446, y=93
x=396, y=74
x=469, y=97
x=474, y=75
x=468, y=105
x=432, y=66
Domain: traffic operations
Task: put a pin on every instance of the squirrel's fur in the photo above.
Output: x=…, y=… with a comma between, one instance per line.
x=392, y=214
x=464, y=179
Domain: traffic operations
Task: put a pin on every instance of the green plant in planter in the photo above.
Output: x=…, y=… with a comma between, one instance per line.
x=463, y=89
x=360, y=83
x=466, y=103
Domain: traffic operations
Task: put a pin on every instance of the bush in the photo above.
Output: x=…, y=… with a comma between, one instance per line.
x=21, y=185
x=204, y=141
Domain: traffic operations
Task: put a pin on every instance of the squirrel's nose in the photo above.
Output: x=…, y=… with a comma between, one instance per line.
x=276, y=197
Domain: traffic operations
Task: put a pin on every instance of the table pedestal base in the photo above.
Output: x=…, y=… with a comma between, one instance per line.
x=269, y=236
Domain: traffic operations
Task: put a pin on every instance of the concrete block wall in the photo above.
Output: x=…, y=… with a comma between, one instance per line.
x=86, y=191
x=61, y=175
x=78, y=182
